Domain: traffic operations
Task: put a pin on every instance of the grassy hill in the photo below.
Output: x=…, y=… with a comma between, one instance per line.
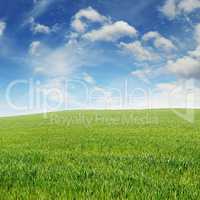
x=100, y=155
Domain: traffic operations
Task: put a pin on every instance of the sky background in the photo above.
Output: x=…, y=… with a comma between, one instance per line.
x=96, y=54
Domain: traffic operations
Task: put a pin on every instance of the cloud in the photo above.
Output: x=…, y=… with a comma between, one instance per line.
x=188, y=6
x=2, y=27
x=142, y=74
x=169, y=9
x=173, y=8
x=138, y=51
x=197, y=33
x=159, y=41
x=34, y=48
x=61, y=61
x=39, y=7
x=185, y=67
x=79, y=24
x=108, y=31
x=39, y=28
x=166, y=87
x=188, y=66
x=88, y=78
x=111, y=32
x=195, y=53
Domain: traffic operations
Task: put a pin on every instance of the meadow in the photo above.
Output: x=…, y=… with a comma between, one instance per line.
x=149, y=154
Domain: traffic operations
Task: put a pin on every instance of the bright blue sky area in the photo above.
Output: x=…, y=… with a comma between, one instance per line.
x=153, y=44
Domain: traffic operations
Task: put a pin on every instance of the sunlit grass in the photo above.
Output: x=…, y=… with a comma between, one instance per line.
x=100, y=155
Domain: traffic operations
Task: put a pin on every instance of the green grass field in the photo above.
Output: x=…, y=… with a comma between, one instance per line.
x=100, y=155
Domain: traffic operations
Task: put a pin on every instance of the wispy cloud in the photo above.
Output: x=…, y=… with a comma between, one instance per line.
x=34, y=48
x=159, y=41
x=88, y=78
x=139, y=51
x=39, y=8
x=2, y=27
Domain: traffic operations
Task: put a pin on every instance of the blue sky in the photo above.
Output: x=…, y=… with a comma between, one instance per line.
x=112, y=54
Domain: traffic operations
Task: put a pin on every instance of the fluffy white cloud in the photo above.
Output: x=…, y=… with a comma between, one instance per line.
x=188, y=6
x=185, y=67
x=108, y=31
x=40, y=28
x=188, y=66
x=2, y=27
x=173, y=8
x=34, y=48
x=169, y=9
x=79, y=24
x=159, y=41
x=138, y=51
x=111, y=32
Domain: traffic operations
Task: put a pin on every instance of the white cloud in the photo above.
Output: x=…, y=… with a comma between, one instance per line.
x=40, y=28
x=188, y=6
x=174, y=8
x=197, y=33
x=40, y=7
x=169, y=9
x=57, y=63
x=159, y=41
x=142, y=74
x=108, y=31
x=2, y=27
x=79, y=24
x=61, y=61
x=166, y=87
x=88, y=78
x=185, y=67
x=138, y=51
x=195, y=53
x=188, y=66
x=111, y=32
x=34, y=48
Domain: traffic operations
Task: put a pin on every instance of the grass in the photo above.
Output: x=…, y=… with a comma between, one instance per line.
x=100, y=155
